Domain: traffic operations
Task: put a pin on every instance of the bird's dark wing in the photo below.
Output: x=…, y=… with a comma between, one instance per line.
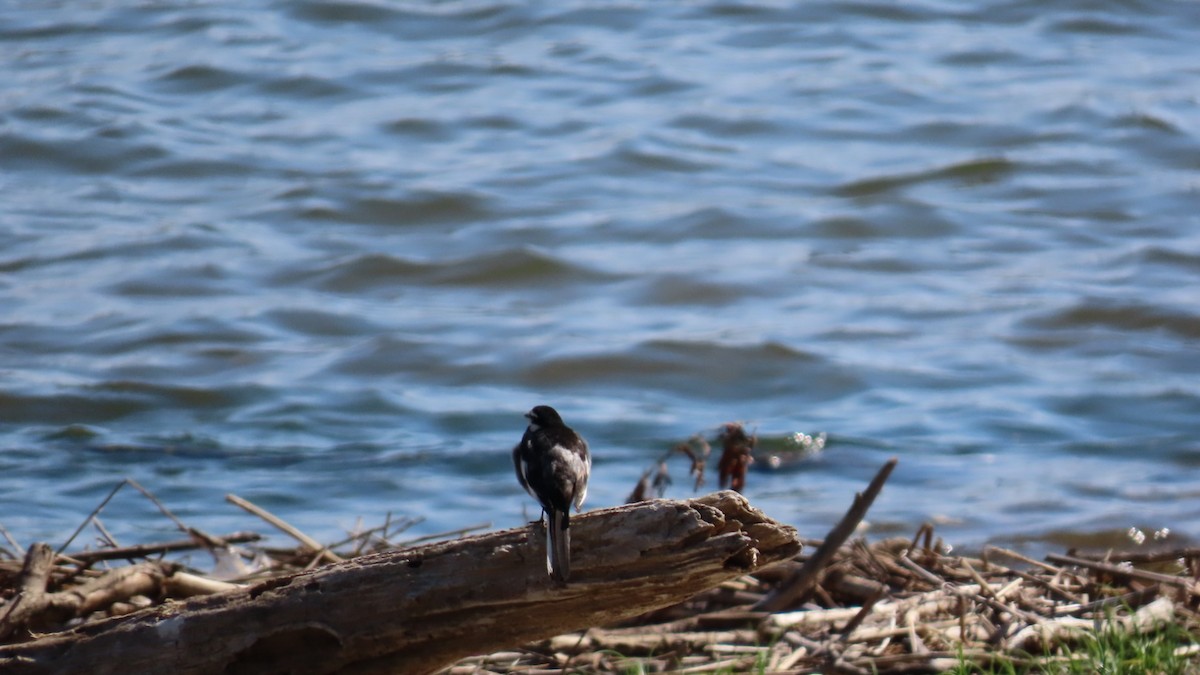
x=521, y=463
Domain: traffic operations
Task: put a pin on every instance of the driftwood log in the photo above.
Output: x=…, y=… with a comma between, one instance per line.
x=419, y=609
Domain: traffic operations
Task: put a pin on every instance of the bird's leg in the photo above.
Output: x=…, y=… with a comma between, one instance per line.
x=541, y=520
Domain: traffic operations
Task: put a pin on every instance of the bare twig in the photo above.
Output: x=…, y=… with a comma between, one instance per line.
x=284, y=527
x=1144, y=557
x=109, y=540
x=154, y=500
x=146, y=550
x=792, y=590
x=1126, y=572
x=11, y=542
x=445, y=535
x=657, y=478
x=93, y=514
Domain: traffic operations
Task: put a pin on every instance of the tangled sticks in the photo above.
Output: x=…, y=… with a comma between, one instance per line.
x=421, y=608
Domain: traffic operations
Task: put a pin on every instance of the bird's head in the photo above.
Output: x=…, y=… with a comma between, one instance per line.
x=543, y=416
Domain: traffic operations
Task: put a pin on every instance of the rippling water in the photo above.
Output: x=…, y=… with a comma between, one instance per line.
x=325, y=254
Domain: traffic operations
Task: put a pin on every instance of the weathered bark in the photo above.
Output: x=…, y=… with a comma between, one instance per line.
x=418, y=609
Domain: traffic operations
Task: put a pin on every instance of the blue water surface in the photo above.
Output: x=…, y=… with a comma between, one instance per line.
x=324, y=254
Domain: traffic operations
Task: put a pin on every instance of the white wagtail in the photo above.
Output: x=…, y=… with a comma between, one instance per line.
x=553, y=464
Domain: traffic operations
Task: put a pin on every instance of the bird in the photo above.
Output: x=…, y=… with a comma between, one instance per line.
x=553, y=465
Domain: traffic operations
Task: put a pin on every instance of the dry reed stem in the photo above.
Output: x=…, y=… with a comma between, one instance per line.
x=285, y=527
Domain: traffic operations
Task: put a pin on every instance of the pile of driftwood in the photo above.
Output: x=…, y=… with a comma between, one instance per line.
x=893, y=606
x=105, y=578
x=414, y=609
x=840, y=605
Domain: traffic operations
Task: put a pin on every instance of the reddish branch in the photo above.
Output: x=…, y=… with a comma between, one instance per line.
x=736, y=455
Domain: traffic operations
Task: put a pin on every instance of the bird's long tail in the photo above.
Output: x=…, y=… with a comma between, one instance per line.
x=558, y=545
